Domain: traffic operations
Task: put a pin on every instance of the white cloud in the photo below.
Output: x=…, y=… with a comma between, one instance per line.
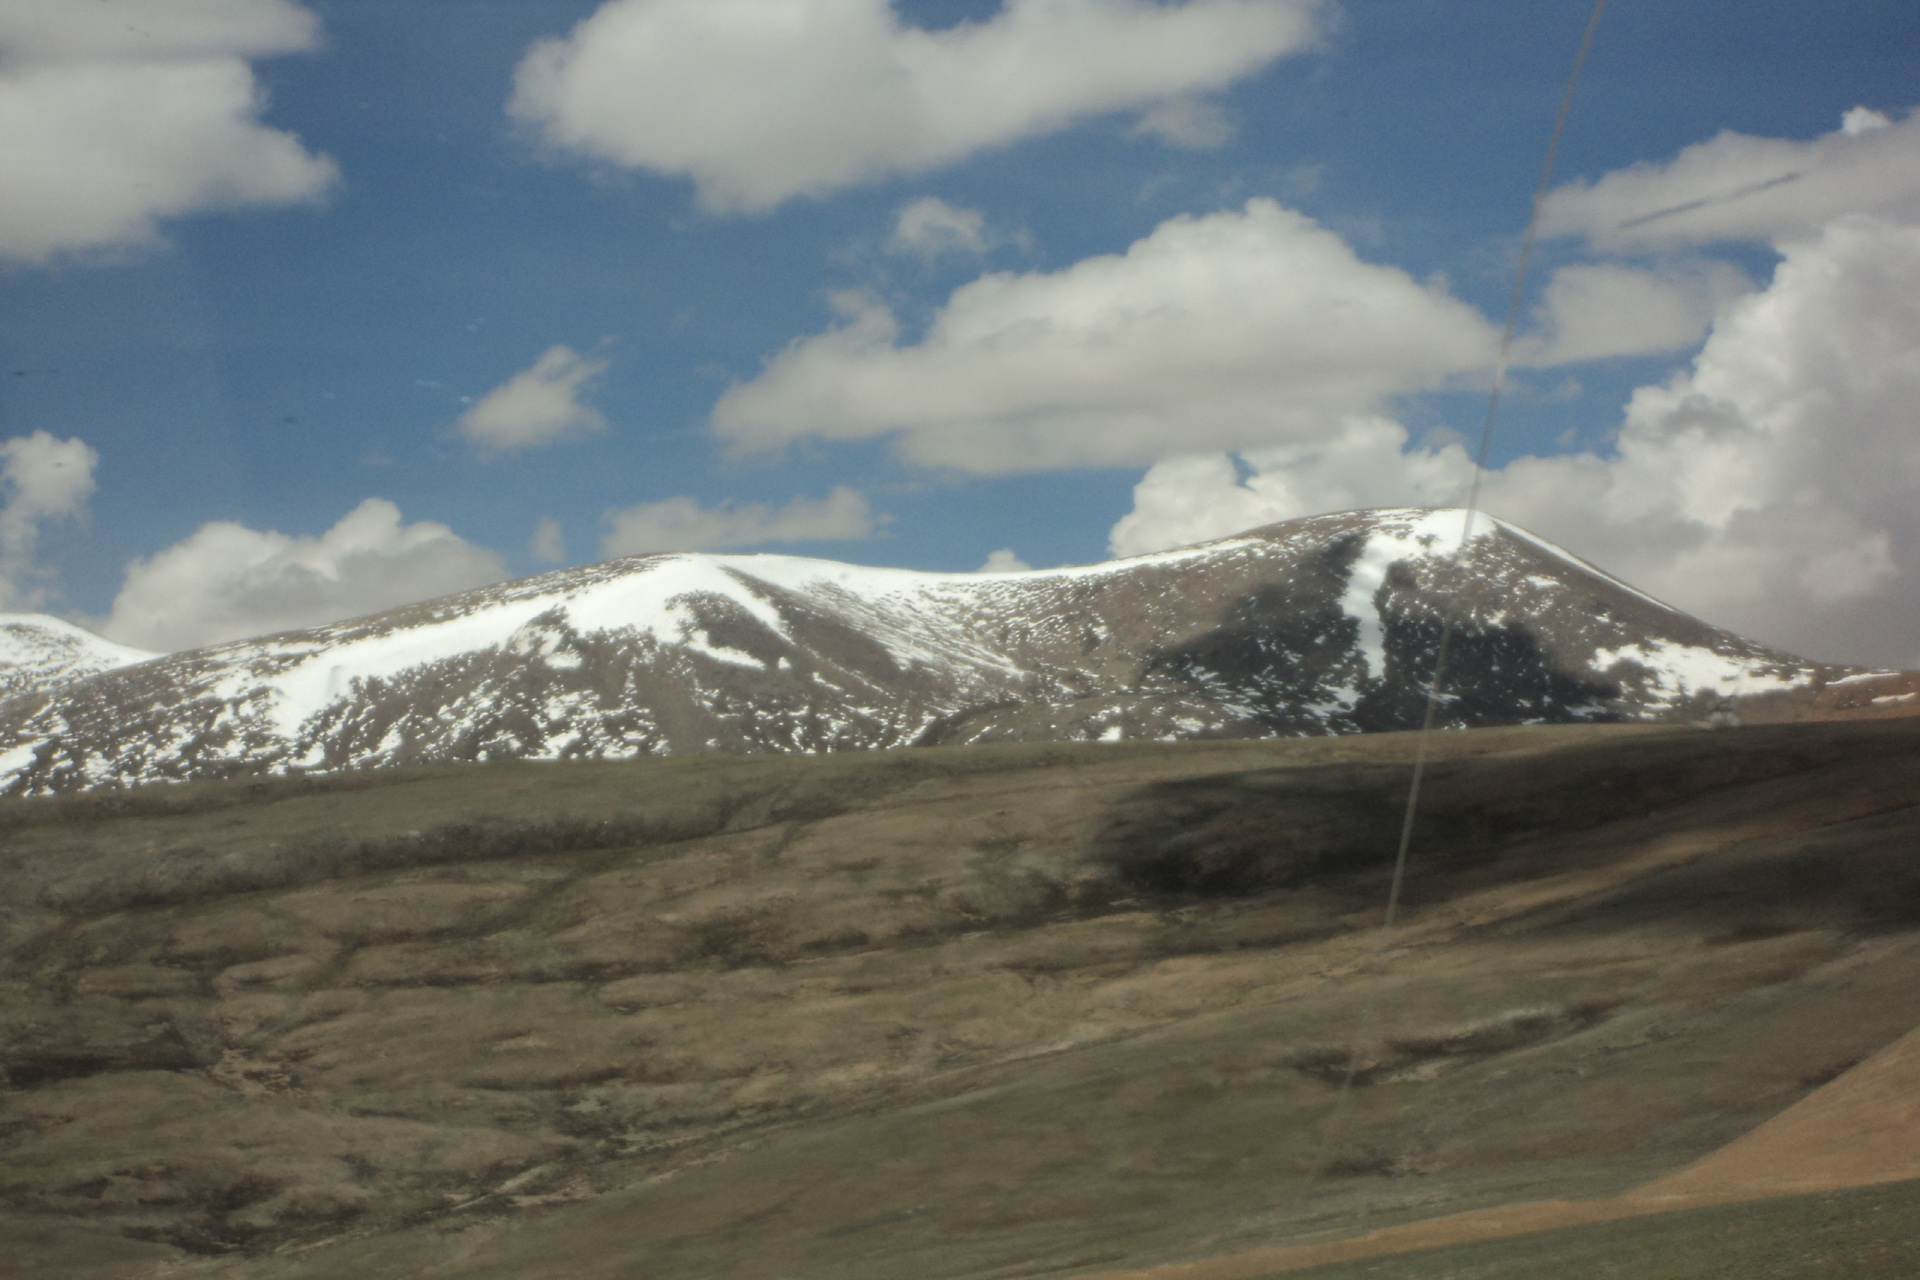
x=549, y=541
x=682, y=524
x=1003, y=561
x=227, y=582
x=536, y=407
x=1189, y=123
x=1774, y=488
x=42, y=479
x=1591, y=312
x=1737, y=187
x=929, y=227
x=1233, y=330
x=761, y=100
x=113, y=116
x=1366, y=463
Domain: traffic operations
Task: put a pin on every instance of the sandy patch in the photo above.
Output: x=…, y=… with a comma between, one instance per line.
x=1862, y=1128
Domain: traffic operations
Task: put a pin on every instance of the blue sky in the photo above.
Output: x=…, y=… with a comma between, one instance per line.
x=279, y=345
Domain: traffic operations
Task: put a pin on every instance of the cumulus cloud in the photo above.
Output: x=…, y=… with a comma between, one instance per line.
x=1003, y=561
x=1736, y=187
x=227, y=582
x=1593, y=311
x=114, y=116
x=682, y=524
x=1366, y=462
x=761, y=100
x=42, y=479
x=929, y=227
x=536, y=407
x=1771, y=488
x=1233, y=330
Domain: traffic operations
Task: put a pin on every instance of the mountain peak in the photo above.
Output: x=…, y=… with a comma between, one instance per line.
x=39, y=651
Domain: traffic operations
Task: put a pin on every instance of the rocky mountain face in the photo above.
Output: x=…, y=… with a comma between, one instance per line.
x=39, y=652
x=1325, y=625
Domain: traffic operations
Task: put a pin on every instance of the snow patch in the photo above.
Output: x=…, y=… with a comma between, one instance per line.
x=696, y=640
x=1679, y=671
x=17, y=760
x=1864, y=675
x=305, y=689
x=1401, y=535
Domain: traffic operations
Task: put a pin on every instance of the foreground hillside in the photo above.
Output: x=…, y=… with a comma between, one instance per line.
x=1016, y=1010
x=1326, y=625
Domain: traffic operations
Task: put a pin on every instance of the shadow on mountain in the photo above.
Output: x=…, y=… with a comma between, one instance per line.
x=1855, y=876
x=1279, y=650
x=1496, y=675
x=1251, y=832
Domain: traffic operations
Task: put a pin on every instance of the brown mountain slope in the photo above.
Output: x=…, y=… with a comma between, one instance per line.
x=980, y=1012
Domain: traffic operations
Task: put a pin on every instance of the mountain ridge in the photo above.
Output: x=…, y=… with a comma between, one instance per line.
x=1322, y=625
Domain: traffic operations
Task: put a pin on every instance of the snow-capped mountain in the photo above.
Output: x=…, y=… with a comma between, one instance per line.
x=1314, y=626
x=39, y=652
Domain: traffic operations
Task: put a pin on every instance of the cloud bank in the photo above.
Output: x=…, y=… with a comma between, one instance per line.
x=682, y=524
x=42, y=480
x=536, y=407
x=1229, y=331
x=1771, y=488
x=761, y=100
x=229, y=582
x=114, y=116
x=1737, y=187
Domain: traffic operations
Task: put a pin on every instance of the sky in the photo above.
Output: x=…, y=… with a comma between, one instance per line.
x=313, y=309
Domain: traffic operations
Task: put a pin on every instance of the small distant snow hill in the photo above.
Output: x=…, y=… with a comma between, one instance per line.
x=39, y=652
x=1324, y=625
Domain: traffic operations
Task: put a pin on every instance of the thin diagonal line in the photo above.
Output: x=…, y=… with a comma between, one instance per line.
x=1441, y=654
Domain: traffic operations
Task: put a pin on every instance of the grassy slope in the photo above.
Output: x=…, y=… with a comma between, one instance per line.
x=975, y=1012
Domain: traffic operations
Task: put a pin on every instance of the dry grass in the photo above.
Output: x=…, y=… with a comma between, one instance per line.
x=962, y=1012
